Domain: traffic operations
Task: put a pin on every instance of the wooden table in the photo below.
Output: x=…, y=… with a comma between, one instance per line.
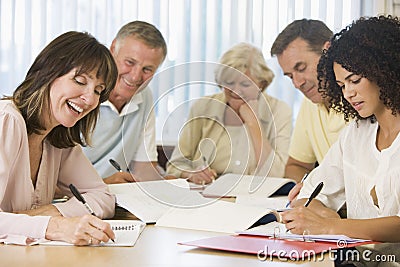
x=157, y=246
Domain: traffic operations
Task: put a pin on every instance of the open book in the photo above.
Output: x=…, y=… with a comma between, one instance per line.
x=171, y=203
x=126, y=234
x=232, y=185
x=148, y=201
x=218, y=216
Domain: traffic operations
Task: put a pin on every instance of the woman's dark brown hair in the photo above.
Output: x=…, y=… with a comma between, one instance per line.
x=68, y=51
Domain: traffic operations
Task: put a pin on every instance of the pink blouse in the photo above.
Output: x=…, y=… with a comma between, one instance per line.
x=58, y=167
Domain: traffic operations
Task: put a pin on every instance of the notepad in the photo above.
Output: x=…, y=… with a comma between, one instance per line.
x=126, y=234
x=232, y=185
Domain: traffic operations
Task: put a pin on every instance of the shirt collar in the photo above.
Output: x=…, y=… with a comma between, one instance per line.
x=130, y=107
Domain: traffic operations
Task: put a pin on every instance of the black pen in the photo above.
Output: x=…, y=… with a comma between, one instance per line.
x=116, y=165
x=314, y=193
x=79, y=197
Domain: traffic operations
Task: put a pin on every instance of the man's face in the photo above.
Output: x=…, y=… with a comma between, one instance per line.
x=136, y=64
x=300, y=65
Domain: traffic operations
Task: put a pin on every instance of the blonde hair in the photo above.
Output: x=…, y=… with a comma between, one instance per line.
x=247, y=59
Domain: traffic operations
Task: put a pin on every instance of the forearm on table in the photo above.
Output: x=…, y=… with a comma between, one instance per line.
x=46, y=210
x=386, y=229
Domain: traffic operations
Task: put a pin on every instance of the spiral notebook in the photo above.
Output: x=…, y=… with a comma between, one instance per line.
x=126, y=234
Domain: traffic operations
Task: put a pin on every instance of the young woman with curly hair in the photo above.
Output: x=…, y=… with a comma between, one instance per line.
x=360, y=73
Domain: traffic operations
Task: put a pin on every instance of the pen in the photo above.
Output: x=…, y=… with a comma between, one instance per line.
x=304, y=177
x=302, y=180
x=78, y=196
x=314, y=193
x=116, y=165
x=205, y=163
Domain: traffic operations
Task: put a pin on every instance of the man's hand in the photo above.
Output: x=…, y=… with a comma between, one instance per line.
x=120, y=177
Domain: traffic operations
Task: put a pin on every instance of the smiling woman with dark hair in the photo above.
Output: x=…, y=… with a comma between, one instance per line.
x=360, y=73
x=53, y=110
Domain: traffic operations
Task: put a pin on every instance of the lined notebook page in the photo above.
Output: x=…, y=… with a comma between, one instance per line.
x=126, y=234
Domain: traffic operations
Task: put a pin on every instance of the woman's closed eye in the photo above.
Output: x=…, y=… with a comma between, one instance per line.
x=80, y=80
x=356, y=81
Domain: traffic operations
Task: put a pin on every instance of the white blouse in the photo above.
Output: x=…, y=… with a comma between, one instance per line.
x=352, y=168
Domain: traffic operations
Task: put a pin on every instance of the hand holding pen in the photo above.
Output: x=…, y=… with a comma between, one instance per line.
x=302, y=217
x=120, y=176
x=203, y=174
x=80, y=198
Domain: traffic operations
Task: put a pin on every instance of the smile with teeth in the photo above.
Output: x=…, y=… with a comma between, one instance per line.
x=128, y=83
x=74, y=107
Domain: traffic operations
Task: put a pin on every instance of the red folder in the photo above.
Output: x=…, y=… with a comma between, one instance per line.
x=264, y=246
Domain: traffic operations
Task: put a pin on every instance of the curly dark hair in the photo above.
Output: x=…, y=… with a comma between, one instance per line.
x=369, y=47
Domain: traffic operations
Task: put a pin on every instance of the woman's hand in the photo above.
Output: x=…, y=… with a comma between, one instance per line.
x=303, y=220
x=202, y=175
x=80, y=231
x=248, y=112
x=294, y=192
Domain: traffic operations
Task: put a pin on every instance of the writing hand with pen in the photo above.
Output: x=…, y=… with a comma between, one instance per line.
x=120, y=176
x=81, y=231
x=202, y=175
x=312, y=218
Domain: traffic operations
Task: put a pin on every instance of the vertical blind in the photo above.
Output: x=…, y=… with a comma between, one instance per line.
x=197, y=33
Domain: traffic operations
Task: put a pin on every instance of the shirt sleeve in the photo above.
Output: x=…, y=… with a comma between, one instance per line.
x=191, y=134
x=274, y=166
x=147, y=150
x=23, y=225
x=76, y=169
x=330, y=171
x=300, y=146
x=11, y=142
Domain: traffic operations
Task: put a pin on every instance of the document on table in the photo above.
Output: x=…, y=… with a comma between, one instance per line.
x=126, y=234
x=148, y=201
x=232, y=185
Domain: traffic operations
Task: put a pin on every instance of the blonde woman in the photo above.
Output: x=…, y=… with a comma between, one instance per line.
x=241, y=130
